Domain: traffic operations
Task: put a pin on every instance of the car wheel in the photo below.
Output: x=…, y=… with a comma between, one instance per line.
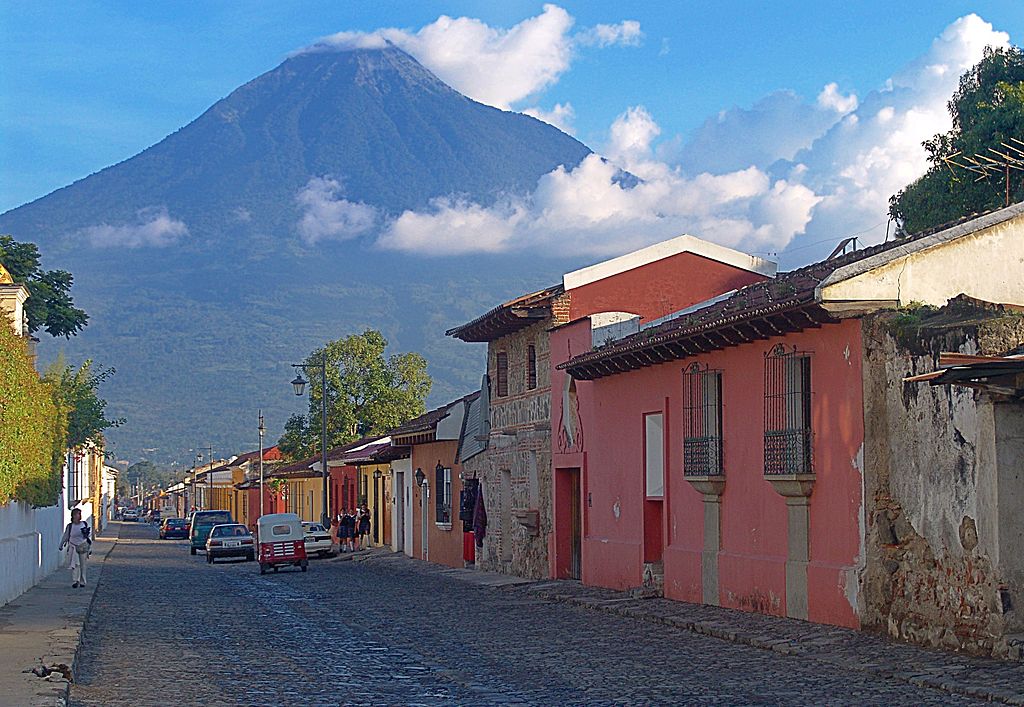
x=192, y=550
x=209, y=559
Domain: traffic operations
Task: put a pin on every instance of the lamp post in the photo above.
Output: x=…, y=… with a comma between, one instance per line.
x=299, y=385
x=262, y=429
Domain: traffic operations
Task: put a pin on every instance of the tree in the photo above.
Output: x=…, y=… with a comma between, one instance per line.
x=77, y=392
x=367, y=393
x=987, y=109
x=49, y=305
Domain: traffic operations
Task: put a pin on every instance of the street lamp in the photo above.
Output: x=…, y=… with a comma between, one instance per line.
x=299, y=385
x=420, y=477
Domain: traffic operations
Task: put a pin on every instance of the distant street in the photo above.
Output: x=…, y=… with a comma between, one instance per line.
x=169, y=629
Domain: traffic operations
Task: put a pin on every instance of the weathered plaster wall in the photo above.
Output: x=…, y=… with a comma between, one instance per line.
x=931, y=489
x=518, y=455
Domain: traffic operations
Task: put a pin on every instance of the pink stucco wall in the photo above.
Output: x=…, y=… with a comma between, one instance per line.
x=753, y=517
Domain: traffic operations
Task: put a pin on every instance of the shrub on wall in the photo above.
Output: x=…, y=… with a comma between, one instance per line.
x=33, y=427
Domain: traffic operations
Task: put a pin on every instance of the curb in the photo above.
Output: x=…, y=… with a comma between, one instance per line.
x=937, y=679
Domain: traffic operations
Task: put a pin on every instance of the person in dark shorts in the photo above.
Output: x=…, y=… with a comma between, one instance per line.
x=363, y=529
x=346, y=530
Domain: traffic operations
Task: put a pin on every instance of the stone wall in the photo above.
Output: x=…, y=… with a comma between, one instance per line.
x=932, y=572
x=516, y=468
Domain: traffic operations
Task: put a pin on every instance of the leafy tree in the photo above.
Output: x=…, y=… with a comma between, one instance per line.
x=294, y=440
x=987, y=109
x=76, y=391
x=49, y=305
x=367, y=393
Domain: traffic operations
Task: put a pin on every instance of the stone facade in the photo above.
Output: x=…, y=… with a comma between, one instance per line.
x=516, y=468
x=944, y=551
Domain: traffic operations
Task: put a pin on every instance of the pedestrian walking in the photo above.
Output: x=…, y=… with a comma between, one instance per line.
x=363, y=530
x=77, y=539
x=346, y=530
x=335, y=534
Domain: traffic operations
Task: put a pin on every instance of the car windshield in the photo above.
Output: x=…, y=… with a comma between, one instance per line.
x=230, y=531
x=213, y=518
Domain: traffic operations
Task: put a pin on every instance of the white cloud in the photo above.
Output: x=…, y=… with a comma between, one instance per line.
x=831, y=99
x=497, y=66
x=561, y=116
x=626, y=33
x=154, y=227
x=329, y=216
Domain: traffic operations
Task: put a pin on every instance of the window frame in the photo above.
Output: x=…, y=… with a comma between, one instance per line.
x=501, y=374
x=443, y=496
x=648, y=417
x=703, y=421
x=531, y=367
x=788, y=426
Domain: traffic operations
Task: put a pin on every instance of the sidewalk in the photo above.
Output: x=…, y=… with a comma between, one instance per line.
x=43, y=627
x=953, y=673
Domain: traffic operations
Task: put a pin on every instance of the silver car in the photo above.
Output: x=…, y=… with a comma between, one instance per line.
x=317, y=539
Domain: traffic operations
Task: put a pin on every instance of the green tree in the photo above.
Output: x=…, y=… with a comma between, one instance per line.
x=49, y=305
x=295, y=438
x=367, y=393
x=77, y=392
x=987, y=109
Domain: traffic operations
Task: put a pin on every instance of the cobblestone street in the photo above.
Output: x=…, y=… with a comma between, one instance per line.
x=169, y=629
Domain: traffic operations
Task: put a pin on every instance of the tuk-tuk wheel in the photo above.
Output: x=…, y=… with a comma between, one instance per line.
x=263, y=568
x=275, y=568
x=304, y=564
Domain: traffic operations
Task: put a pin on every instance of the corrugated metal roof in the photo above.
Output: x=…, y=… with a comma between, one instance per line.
x=477, y=426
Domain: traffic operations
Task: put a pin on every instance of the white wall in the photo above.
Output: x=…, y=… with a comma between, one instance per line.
x=28, y=545
x=404, y=466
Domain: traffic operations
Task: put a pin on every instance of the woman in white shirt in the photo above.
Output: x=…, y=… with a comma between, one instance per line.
x=79, y=543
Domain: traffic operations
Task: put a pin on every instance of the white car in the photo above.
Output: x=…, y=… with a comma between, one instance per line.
x=131, y=515
x=317, y=539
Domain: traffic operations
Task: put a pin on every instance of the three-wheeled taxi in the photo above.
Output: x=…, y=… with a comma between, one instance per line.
x=282, y=541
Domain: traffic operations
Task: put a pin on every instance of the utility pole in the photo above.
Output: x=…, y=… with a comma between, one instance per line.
x=262, y=429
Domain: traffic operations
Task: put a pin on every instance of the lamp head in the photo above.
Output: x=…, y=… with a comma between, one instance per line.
x=299, y=384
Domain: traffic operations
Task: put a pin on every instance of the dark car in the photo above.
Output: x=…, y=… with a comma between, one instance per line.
x=231, y=540
x=202, y=524
x=173, y=528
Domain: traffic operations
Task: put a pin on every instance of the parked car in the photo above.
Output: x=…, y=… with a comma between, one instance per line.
x=230, y=540
x=130, y=515
x=317, y=540
x=281, y=541
x=173, y=528
x=202, y=524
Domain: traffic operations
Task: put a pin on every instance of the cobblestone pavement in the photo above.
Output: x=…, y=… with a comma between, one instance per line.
x=167, y=628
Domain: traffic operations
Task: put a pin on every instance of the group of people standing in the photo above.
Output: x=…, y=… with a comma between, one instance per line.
x=351, y=530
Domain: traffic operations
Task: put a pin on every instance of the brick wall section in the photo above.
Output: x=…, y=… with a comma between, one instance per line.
x=516, y=469
x=933, y=535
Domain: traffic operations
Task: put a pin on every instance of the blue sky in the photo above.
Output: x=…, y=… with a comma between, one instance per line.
x=84, y=85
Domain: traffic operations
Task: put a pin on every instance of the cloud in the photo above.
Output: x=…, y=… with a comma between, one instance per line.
x=329, y=216
x=831, y=99
x=153, y=228
x=561, y=116
x=497, y=66
x=627, y=34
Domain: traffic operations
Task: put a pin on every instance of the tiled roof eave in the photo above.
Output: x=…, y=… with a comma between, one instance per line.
x=743, y=327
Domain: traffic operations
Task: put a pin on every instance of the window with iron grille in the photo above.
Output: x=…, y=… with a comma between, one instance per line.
x=702, y=421
x=502, y=377
x=443, y=494
x=531, y=367
x=787, y=412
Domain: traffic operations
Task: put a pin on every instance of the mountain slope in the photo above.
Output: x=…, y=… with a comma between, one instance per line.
x=387, y=129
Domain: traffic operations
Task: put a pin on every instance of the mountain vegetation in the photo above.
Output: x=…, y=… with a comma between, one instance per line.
x=988, y=113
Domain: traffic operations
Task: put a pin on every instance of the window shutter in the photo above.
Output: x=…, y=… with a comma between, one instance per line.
x=502, y=374
x=531, y=367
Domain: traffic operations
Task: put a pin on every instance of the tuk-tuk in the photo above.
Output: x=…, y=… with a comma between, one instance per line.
x=282, y=541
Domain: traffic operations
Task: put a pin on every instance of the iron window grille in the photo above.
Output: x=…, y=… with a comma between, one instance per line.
x=702, y=421
x=443, y=494
x=502, y=377
x=787, y=412
x=531, y=367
